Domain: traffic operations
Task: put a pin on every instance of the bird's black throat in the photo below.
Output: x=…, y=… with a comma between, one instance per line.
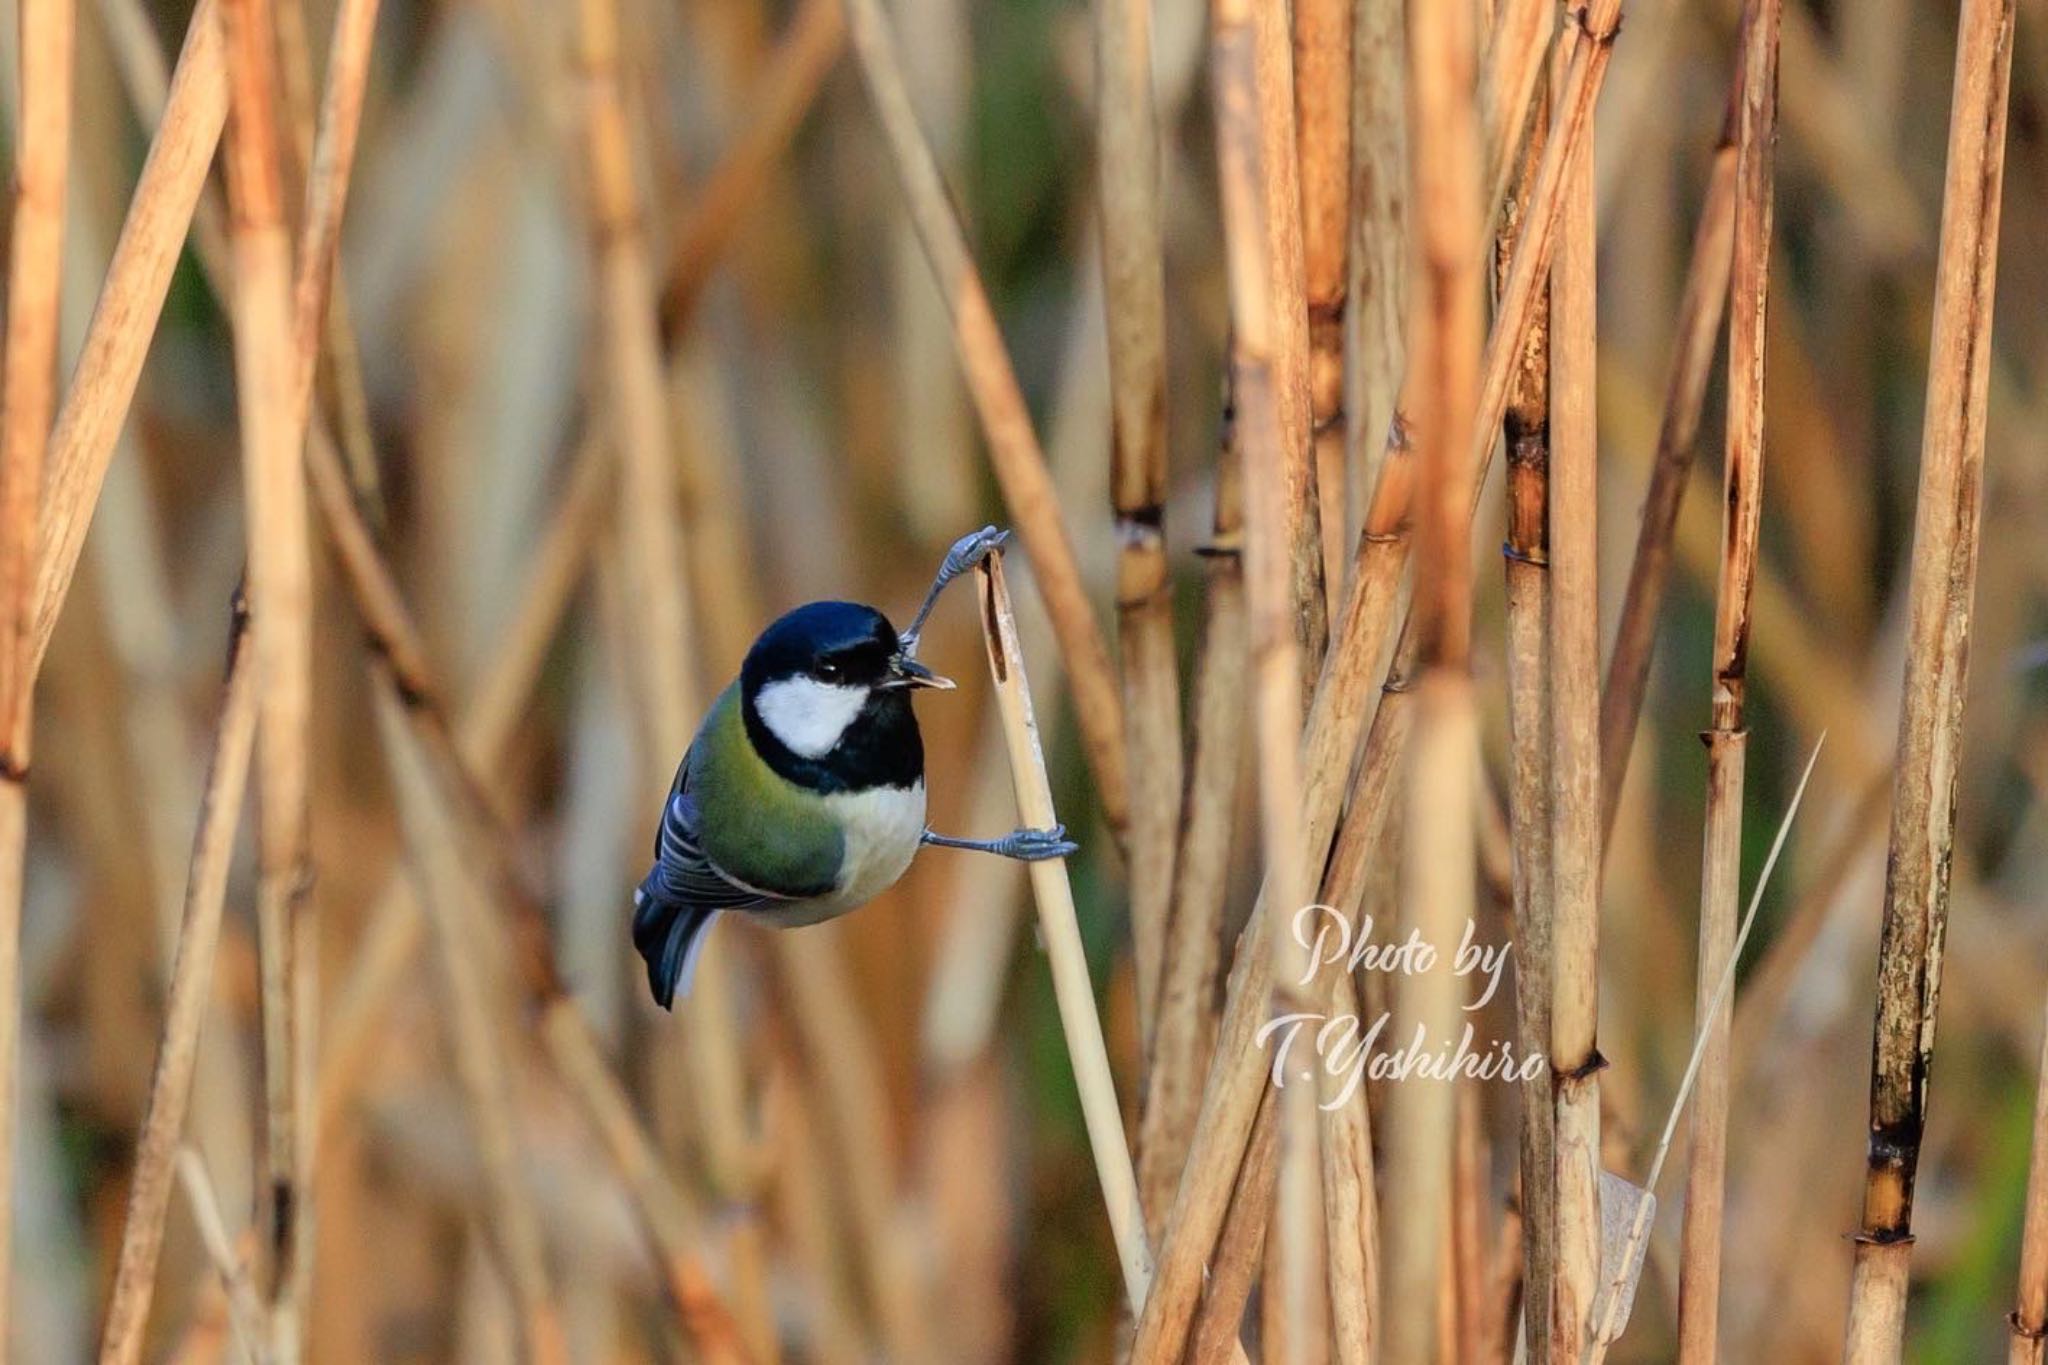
x=880, y=748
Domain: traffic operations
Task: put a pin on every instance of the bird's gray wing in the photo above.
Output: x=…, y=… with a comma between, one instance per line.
x=684, y=874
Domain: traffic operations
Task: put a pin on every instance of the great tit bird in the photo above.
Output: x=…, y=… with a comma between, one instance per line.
x=802, y=795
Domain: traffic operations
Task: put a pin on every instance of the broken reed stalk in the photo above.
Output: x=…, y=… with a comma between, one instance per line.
x=1256, y=150
x=2029, y=1318
x=1054, y=896
x=1943, y=582
x=103, y=382
x=1013, y=446
x=1575, y=1061
x=170, y=1086
x=1186, y=1033
x=1727, y=738
x=1134, y=294
x=34, y=272
x=280, y=600
x=1526, y=556
x=511, y=1224
x=788, y=86
x=1446, y=330
x=1700, y=309
x=1337, y=718
x=1322, y=122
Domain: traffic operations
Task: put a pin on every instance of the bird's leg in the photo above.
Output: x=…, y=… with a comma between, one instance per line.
x=1025, y=845
x=967, y=552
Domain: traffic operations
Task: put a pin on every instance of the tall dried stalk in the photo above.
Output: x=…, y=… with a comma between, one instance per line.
x=2029, y=1319
x=1134, y=292
x=1700, y=310
x=280, y=597
x=149, y=1190
x=1575, y=1061
x=1013, y=444
x=1727, y=738
x=1054, y=897
x=1943, y=583
x=1446, y=330
x=34, y=272
x=110, y=361
x=1527, y=558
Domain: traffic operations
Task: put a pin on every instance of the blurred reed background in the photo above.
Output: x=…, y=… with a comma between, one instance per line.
x=378, y=513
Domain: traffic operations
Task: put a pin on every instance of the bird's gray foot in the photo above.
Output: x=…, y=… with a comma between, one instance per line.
x=967, y=553
x=1025, y=845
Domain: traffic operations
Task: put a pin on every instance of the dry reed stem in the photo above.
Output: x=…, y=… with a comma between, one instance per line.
x=1322, y=108
x=1727, y=737
x=1255, y=151
x=1287, y=349
x=2029, y=1318
x=1351, y=1213
x=1700, y=309
x=1943, y=583
x=1054, y=897
x=1134, y=293
x=34, y=272
x=1186, y=1034
x=185, y=1008
x=245, y=1307
x=280, y=599
x=512, y=1225
x=788, y=86
x=1445, y=330
x=1014, y=450
x=110, y=361
x=1575, y=1060
x=1526, y=555
x=1240, y=1248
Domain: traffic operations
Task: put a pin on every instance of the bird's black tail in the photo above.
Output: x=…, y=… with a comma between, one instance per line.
x=670, y=936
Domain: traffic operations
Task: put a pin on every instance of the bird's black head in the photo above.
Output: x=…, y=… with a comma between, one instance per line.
x=826, y=694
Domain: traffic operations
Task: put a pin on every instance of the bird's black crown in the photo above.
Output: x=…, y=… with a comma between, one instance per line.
x=847, y=644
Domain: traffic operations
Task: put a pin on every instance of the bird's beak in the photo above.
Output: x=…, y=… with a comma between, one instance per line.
x=910, y=673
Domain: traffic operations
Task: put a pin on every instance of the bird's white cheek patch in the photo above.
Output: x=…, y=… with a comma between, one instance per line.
x=808, y=716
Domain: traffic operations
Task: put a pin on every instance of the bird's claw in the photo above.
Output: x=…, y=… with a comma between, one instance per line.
x=1037, y=845
x=971, y=549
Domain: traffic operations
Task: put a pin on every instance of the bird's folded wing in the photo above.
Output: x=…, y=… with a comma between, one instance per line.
x=684, y=874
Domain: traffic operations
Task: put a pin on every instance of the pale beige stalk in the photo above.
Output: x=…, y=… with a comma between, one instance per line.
x=2029, y=1319
x=1054, y=897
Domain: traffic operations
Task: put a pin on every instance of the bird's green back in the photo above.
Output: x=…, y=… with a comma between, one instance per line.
x=755, y=824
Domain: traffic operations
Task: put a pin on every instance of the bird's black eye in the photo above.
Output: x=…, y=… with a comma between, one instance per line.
x=829, y=671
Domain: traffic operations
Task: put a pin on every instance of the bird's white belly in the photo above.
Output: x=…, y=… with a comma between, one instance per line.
x=882, y=829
